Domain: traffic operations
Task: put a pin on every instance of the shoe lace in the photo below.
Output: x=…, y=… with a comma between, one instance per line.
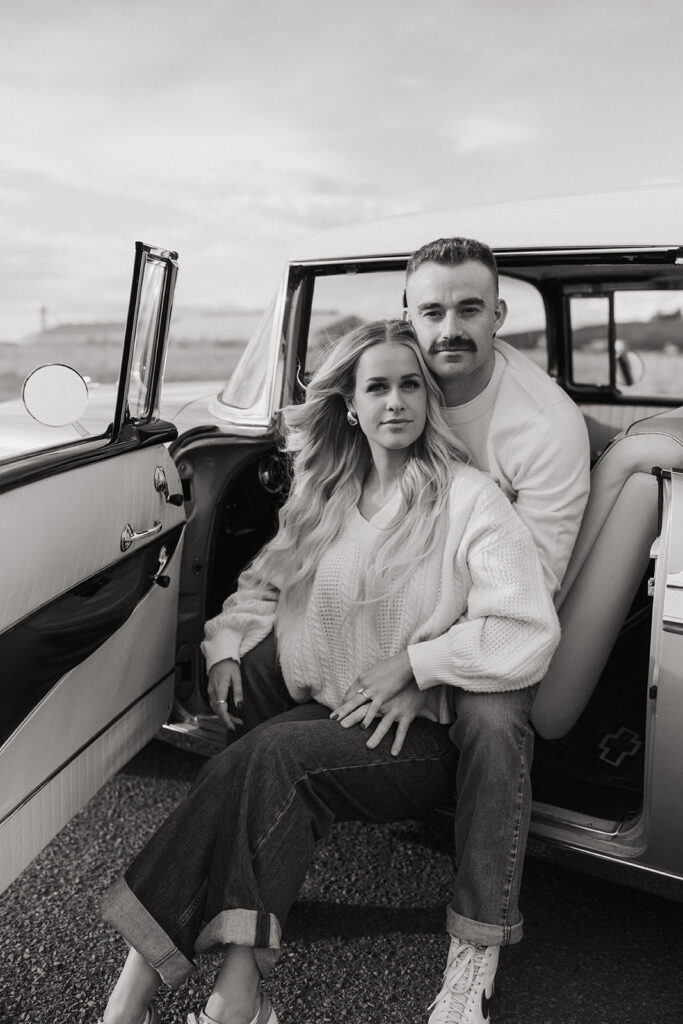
x=457, y=982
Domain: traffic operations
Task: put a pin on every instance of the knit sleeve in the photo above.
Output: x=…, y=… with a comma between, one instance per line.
x=510, y=630
x=247, y=617
x=549, y=465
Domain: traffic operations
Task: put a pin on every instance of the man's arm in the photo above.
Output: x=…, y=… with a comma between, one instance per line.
x=550, y=473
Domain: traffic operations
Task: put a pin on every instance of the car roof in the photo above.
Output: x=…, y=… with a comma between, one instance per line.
x=647, y=217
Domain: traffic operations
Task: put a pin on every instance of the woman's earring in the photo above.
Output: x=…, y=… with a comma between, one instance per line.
x=352, y=418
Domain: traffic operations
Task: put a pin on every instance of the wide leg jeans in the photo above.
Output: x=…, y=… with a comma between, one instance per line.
x=228, y=863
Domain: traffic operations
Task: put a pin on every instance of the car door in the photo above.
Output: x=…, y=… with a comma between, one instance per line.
x=664, y=765
x=90, y=541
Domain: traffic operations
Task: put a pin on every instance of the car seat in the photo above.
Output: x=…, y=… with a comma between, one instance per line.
x=608, y=563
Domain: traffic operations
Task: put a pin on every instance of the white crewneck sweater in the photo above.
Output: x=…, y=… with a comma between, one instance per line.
x=475, y=614
x=525, y=432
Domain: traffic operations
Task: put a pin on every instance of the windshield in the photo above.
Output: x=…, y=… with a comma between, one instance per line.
x=249, y=385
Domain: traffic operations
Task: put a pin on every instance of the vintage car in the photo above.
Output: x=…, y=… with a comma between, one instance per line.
x=117, y=545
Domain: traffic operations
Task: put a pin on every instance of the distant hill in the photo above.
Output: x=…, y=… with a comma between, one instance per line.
x=187, y=325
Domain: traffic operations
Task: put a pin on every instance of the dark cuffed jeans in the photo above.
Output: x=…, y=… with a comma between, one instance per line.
x=228, y=863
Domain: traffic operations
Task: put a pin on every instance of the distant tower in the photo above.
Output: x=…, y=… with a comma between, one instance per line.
x=43, y=318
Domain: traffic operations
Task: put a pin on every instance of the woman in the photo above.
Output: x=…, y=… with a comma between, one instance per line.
x=391, y=551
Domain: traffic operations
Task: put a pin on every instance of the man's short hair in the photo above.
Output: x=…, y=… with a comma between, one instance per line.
x=449, y=252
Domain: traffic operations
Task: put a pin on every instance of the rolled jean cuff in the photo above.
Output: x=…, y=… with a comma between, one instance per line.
x=255, y=928
x=123, y=910
x=481, y=934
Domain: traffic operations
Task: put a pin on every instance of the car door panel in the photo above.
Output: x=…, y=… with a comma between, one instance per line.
x=88, y=672
x=664, y=766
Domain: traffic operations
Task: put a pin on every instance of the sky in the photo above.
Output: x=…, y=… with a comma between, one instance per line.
x=229, y=129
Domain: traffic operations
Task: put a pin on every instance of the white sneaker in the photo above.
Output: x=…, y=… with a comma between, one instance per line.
x=265, y=1015
x=467, y=989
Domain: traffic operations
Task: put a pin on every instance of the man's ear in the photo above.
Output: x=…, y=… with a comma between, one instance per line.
x=501, y=313
x=406, y=314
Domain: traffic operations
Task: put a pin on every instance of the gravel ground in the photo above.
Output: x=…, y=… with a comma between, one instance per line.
x=365, y=942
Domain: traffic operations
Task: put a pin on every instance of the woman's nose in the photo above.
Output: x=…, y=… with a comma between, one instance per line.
x=395, y=400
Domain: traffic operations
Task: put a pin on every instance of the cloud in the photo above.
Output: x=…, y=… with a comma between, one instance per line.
x=473, y=134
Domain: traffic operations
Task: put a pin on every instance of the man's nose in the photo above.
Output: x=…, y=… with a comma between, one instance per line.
x=450, y=325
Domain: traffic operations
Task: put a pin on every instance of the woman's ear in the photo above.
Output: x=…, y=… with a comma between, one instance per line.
x=351, y=415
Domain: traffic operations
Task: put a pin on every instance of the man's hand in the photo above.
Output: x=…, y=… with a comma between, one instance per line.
x=225, y=676
x=399, y=710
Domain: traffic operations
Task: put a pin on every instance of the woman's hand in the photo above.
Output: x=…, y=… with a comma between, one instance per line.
x=225, y=676
x=378, y=685
x=399, y=710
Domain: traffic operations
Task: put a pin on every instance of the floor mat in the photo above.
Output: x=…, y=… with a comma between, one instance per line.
x=597, y=768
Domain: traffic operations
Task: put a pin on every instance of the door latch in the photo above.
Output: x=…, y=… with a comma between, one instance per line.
x=161, y=485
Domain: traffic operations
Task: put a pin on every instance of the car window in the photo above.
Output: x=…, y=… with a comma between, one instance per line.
x=343, y=301
x=249, y=386
x=525, y=324
x=647, y=327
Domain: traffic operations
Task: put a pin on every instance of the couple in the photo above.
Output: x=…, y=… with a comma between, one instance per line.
x=381, y=652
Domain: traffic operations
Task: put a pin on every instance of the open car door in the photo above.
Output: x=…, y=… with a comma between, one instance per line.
x=90, y=543
x=664, y=763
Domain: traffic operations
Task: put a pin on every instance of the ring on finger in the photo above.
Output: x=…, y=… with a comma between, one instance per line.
x=215, y=703
x=361, y=690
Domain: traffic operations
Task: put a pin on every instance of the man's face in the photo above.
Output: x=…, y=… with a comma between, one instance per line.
x=456, y=312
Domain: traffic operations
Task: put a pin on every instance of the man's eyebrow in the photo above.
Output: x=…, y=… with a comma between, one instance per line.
x=473, y=300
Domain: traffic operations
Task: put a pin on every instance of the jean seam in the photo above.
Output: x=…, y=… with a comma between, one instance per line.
x=514, y=851
x=342, y=768
x=190, y=909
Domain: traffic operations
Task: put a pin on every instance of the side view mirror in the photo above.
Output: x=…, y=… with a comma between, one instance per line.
x=55, y=395
x=630, y=365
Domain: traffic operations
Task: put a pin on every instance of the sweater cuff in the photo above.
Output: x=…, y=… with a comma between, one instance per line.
x=432, y=663
x=224, y=644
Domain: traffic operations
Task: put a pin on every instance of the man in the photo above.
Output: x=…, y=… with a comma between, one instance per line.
x=515, y=422
x=522, y=429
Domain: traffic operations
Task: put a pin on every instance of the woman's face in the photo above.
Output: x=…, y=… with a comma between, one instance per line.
x=390, y=397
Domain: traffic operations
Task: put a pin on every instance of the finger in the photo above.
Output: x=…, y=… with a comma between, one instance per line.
x=221, y=710
x=383, y=727
x=232, y=721
x=352, y=690
x=218, y=686
x=356, y=700
x=373, y=710
x=353, y=718
x=237, y=693
x=401, y=733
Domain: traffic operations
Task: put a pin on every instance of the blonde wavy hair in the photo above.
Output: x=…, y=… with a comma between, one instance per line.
x=330, y=460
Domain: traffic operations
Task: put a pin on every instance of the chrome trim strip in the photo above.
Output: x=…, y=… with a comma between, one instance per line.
x=46, y=781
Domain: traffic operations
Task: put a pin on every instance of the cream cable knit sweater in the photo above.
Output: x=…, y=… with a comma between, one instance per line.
x=475, y=614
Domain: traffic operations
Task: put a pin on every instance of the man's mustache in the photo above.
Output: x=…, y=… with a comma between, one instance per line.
x=452, y=345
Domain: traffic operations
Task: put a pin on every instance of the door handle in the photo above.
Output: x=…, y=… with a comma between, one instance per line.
x=129, y=536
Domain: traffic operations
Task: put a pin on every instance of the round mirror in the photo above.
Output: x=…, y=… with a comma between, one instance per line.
x=630, y=365
x=55, y=395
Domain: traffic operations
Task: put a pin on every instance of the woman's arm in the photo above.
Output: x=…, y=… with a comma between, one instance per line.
x=247, y=617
